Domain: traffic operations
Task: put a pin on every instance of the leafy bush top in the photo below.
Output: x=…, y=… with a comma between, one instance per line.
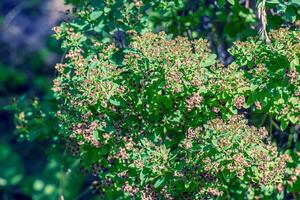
x=273, y=71
x=155, y=117
x=142, y=117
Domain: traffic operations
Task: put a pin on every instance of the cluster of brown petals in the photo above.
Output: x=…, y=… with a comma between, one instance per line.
x=239, y=102
x=193, y=101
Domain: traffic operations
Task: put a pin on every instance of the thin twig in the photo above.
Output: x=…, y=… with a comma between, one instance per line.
x=274, y=124
x=86, y=191
x=270, y=125
x=263, y=120
x=62, y=179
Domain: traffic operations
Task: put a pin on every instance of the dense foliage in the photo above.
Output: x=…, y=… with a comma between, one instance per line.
x=273, y=70
x=144, y=104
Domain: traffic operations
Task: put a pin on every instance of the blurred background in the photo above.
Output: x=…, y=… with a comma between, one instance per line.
x=28, y=53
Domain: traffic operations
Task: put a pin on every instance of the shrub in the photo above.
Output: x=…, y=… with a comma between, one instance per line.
x=142, y=117
x=157, y=117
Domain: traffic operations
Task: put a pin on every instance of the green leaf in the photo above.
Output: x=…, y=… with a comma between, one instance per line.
x=284, y=124
x=187, y=185
x=202, y=90
x=95, y=15
x=272, y=2
x=295, y=62
x=296, y=2
x=114, y=102
x=142, y=177
x=159, y=182
x=107, y=9
x=293, y=119
x=290, y=14
x=99, y=27
x=209, y=61
x=221, y=3
x=232, y=2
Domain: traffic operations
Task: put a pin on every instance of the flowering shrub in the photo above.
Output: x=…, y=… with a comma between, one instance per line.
x=144, y=120
x=273, y=71
x=158, y=117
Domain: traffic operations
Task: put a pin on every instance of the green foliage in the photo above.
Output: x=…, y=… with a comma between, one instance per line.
x=56, y=176
x=236, y=159
x=10, y=79
x=289, y=10
x=108, y=17
x=154, y=115
x=137, y=114
x=64, y=182
x=180, y=17
x=11, y=167
x=272, y=70
x=36, y=119
x=40, y=185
